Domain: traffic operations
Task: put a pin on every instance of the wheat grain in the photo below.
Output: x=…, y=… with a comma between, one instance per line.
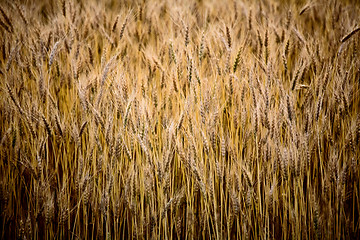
x=7, y=19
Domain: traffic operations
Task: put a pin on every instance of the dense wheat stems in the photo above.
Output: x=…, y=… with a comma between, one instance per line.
x=179, y=119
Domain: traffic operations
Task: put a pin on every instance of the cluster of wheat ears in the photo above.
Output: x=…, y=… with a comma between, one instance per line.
x=179, y=119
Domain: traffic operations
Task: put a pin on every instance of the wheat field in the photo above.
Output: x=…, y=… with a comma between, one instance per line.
x=179, y=119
